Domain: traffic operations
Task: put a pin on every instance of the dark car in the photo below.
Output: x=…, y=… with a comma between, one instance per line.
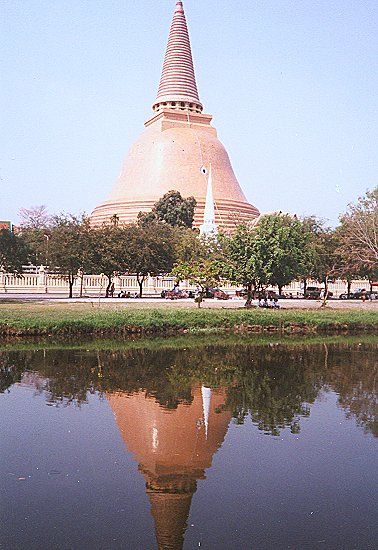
x=346, y=296
x=358, y=295
x=241, y=292
x=314, y=292
x=368, y=295
x=272, y=294
x=216, y=293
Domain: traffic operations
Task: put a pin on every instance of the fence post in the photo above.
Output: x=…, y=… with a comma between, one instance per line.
x=2, y=280
x=117, y=285
x=151, y=285
x=42, y=280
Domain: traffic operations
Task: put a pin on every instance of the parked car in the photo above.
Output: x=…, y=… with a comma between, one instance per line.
x=368, y=295
x=314, y=292
x=216, y=293
x=274, y=294
x=359, y=294
x=174, y=294
x=241, y=292
x=220, y=294
x=346, y=296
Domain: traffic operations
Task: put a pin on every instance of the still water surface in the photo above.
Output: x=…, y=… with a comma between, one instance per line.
x=175, y=444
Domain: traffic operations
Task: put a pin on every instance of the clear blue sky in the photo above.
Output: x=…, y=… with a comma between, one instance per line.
x=292, y=86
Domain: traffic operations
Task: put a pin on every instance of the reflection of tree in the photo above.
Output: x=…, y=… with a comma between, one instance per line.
x=10, y=372
x=275, y=398
x=72, y=375
x=356, y=385
x=275, y=384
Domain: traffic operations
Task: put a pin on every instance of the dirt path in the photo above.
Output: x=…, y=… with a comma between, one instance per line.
x=234, y=303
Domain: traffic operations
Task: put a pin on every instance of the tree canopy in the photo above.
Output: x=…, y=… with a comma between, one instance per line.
x=109, y=251
x=172, y=209
x=150, y=250
x=272, y=252
x=69, y=247
x=241, y=266
x=281, y=248
x=359, y=226
x=14, y=253
x=35, y=217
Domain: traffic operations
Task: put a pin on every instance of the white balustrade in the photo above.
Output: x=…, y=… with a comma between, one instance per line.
x=43, y=282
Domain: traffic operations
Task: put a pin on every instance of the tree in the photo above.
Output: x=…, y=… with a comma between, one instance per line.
x=360, y=230
x=109, y=251
x=326, y=258
x=199, y=261
x=190, y=246
x=150, y=250
x=70, y=249
x=145, y=218
x=273, y=252
x=347, y=267
x=327, y=262
x=281, y=248
x=241, y=264
x=204, y=273
x=14, y=252
x=172, y=209
x=35, y=217
x=35, y=230
x=313, y=227
x=370, y=272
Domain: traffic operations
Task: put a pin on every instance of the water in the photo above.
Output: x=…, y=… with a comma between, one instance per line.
x=181, y=443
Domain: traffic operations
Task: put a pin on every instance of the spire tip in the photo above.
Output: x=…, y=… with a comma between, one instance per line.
x=178, y=87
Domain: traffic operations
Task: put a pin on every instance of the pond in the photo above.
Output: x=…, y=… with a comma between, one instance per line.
x=224, y=442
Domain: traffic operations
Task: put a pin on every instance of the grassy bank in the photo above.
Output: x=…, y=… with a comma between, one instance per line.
x=83, y=319
x=183, y=342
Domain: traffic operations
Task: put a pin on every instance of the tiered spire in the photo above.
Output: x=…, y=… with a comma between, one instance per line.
x=209, y=226
x=178, y=88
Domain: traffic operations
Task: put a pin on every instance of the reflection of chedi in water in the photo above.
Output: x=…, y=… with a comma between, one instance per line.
x=173, y=448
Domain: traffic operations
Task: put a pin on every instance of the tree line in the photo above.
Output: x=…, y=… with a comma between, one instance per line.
x=274, y=251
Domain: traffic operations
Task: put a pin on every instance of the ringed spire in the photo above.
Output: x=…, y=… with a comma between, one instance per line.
x=178, y=87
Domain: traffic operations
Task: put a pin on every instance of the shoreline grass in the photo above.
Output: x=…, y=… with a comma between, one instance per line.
x=181, y=341
x=82, y=320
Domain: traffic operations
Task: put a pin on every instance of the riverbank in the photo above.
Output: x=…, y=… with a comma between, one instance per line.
x=59, y=319
x=183, y=342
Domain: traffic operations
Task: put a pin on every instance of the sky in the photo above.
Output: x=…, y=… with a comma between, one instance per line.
x=292, y=86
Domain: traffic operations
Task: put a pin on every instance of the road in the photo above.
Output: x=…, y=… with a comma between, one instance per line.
x=150, y=302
